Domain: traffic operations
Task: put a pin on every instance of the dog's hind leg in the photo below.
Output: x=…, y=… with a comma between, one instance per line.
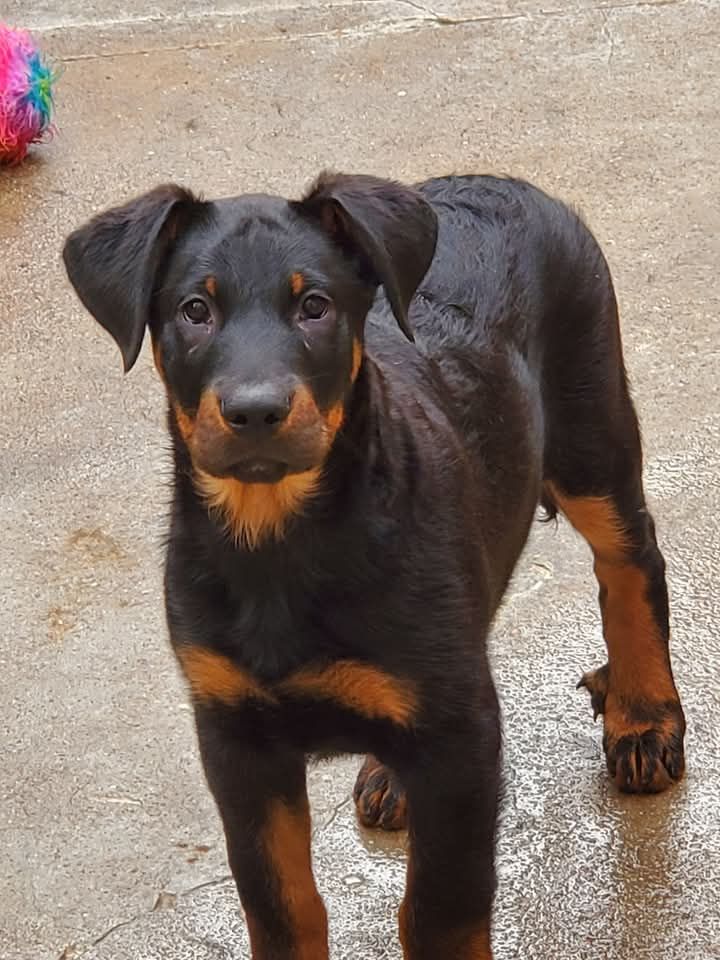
x=593, y=474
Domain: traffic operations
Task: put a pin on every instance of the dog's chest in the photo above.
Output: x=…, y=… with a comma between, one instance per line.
x=299, y=665
x=320, y=706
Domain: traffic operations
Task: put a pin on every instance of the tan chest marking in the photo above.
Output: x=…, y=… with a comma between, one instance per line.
x=358, y=687
x=214, y=677
x=351, y=685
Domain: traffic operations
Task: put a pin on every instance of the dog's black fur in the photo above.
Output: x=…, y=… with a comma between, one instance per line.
x=355, y=618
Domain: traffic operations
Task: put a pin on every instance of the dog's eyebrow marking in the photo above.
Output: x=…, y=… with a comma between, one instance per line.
x=358, y=687
x=213, y=676
x=211, y=285
x=297, y=283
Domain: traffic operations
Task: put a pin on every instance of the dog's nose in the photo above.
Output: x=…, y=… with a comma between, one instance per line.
x=255, y=408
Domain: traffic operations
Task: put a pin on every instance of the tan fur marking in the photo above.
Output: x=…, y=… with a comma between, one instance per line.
x=209, y=414
x=303, y=413
x=255, y=511
x=358, y=687
x=334, y=418
x=458, y=945
x=213, y=676
x=157, y=357
x=186, y=423
x=637, y=651
x=639, y=668
x=357, y=359
x=479, y=946
x=297, y=283
x=211, y=285
x=287, y=843
x=597, y=520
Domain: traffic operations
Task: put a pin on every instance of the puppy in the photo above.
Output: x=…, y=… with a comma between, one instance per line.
x=369, y=393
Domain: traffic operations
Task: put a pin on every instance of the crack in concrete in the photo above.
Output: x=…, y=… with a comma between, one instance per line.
x=329, y=820
x=428, y=18
x=448, y=20
x=217, y=881
x=607, y=32
x=187, y=16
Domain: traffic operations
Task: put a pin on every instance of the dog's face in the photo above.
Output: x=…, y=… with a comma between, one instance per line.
x=256, y=308
x=257, y=330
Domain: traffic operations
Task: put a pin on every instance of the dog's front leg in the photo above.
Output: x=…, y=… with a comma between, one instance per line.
x=452, y=796
x=261, y=794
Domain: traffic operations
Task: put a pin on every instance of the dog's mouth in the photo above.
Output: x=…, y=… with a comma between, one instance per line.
x=259, y=471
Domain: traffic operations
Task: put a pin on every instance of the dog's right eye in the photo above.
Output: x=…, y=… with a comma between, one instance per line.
x=196, y=311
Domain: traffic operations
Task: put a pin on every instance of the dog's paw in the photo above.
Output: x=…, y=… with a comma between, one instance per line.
x=644, y=745
x=643, y=742
x=379, y=798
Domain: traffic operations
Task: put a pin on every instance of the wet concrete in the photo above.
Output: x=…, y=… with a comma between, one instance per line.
x=103, y=812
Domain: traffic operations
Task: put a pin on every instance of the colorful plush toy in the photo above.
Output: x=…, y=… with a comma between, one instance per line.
x=26, y=96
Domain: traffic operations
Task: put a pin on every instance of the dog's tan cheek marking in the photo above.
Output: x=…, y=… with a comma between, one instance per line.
x=305, y=414
x=186, y=423
x=304, y=411
x=357, y=687
x=214, y=677
x=211, y=285
x=287, y=841
x=157, y=358
x=209, y=415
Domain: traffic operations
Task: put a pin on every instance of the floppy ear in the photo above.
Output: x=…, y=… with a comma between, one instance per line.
x=390, y=227
x=112, y=261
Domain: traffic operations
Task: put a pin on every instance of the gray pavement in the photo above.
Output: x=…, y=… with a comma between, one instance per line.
x=111, y=847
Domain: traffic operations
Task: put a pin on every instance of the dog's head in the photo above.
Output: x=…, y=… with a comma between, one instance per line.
x=256, y=307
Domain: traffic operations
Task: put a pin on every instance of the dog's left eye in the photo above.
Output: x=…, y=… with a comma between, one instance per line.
x=196, y=311
x=314, y=307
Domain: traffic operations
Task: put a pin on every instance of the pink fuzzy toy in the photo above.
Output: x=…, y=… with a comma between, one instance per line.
x=26, y=99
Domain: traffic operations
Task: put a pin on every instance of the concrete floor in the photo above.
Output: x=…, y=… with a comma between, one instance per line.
x=112, y=849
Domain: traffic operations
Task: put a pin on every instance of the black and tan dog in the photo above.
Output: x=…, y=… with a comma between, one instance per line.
x=356, y=472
